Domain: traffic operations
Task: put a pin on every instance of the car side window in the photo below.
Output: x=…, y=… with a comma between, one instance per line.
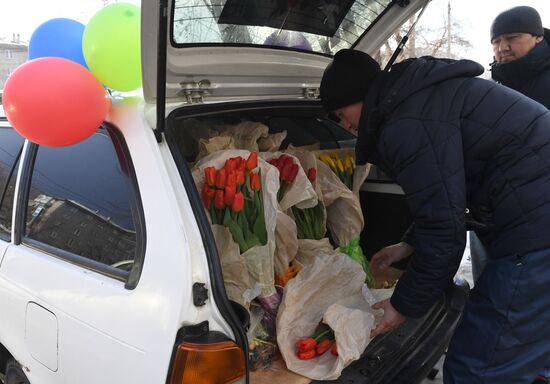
x=81, y=203
x=11, y=144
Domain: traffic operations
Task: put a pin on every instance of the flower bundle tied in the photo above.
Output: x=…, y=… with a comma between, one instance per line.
x=235, y=200
x=340, y=182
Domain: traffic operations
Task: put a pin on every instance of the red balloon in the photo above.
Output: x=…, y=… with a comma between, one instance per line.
x=54, y=101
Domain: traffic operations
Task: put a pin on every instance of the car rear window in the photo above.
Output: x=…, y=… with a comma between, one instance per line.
x=319, y=26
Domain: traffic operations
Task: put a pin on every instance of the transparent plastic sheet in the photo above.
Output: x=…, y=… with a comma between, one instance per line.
x=286, y=243
x=354, y=250
x=214, y=144
x=237, y=283
x=307, y=160
x=338, y=316
x=300, y=193
x=259, y=260
x=244, y=135
x=272, y=142
x=309, y=249
x=330, y=289
x=344, y=215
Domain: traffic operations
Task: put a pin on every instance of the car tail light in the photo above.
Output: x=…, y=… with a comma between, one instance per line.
x=215, y=363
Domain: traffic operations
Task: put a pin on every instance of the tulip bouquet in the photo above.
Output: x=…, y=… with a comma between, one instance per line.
x=317, y=344
x=233, y=197
x=343, y=168
x=288, y=170
x=310, y=222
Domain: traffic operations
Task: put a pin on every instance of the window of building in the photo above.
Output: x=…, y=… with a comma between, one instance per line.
x=83, y=204
x=10, y=149
x=9, y=54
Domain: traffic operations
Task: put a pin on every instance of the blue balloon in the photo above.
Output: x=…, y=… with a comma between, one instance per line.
x=58, y=38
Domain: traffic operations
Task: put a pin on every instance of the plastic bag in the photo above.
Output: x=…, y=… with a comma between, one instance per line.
x=300, y=192
x=236, y=282
x=330, y=288
x=309, y=249
x=214, y=144
x=344, y=215
x=355, y=251
x=286, y=243
x=272, y=142
x=246, y=134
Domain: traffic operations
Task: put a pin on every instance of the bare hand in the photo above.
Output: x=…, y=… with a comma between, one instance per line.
x=391, y=319
x=389, y=255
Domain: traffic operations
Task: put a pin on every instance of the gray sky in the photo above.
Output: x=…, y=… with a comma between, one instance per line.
x=23, y=16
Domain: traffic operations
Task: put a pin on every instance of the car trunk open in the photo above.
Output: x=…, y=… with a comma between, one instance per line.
x=402, y=356
x=218, y=63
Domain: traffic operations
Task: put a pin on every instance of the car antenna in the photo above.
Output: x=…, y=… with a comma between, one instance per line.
x=403, y=41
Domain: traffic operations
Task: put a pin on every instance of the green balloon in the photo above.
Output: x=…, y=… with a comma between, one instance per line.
x=111, y=46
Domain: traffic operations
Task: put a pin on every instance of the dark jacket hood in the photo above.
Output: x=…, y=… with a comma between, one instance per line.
x=514, y=73
x=390, y=89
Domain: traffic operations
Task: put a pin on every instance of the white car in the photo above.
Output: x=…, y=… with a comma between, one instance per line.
x=108, y=268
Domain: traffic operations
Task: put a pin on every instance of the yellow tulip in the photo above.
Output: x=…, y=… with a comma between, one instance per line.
x=349, y=164
x=340, y=165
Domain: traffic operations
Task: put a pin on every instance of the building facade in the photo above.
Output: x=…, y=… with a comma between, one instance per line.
x=12, y=55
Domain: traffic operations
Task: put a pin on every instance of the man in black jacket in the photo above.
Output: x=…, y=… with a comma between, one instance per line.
x=522, y=53
x=521, y=62
x=453, y=141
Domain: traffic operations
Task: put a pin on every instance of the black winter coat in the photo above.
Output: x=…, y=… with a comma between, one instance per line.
x=530, y=74
x=453, y=141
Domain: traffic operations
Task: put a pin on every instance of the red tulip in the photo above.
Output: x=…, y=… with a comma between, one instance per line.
x=252, y=161
x=323, y=346
x=284, y=160
x=307, y=355
x=312, y=174
x=238, y=202
x=210, y=174
x=230, y=191
x=207, y=195
x=219, y=199
x=230, y=165
x=255, y=183
x=292, y=173
x=241, y=166
x=240, y=178
x=306, y=344
x=334, y=350
x=231, y=179
x=221, y=178
x=285, y=171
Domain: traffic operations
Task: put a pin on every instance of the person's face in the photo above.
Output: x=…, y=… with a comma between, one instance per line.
x=512, y=46
x=349, y=117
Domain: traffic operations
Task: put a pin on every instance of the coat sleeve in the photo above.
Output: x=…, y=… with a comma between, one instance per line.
x=427, y=160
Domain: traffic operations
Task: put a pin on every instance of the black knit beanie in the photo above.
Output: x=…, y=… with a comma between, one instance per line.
x=347, y=79
x=521, y=19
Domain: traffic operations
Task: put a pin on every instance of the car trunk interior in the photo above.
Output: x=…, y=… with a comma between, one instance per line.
x=402, y=356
